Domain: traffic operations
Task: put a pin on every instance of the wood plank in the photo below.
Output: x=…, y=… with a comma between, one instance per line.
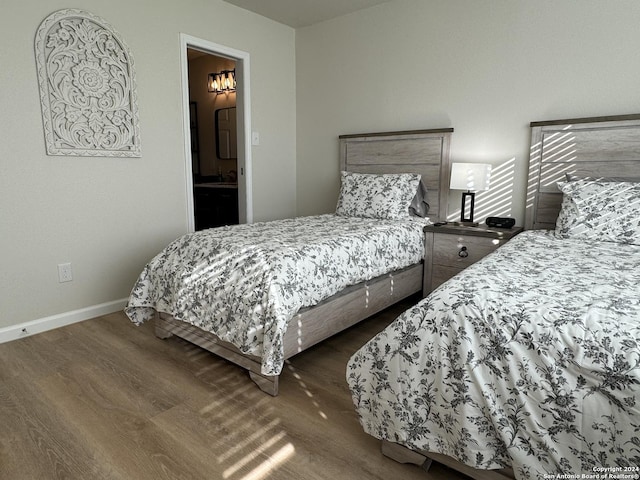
x=613, y=119
x=391, y=152
x=89, y=415
x=114, y=425
x=36, y=442
x=614, y=144
x=552, y=173
x=402, y=454
x=405, y=133
x=354, y=304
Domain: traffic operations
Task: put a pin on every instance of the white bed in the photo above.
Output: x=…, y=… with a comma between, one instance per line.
x=527, y=364
x=286, y=288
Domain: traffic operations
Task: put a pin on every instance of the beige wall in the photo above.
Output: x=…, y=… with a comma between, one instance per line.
x=109, y=216
x=485, y=67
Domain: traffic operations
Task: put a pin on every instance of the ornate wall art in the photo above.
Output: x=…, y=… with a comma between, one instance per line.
x=87, y=87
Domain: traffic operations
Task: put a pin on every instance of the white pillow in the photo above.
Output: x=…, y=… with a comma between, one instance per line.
x=384, y=196
x=600, y=210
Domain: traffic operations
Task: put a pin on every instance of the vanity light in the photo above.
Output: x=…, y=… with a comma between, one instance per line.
x=222, y=82
x=472, y=177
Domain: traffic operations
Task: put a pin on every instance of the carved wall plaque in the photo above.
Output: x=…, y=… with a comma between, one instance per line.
x=87, y=87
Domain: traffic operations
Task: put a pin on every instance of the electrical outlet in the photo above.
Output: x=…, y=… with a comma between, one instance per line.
x=65, y=274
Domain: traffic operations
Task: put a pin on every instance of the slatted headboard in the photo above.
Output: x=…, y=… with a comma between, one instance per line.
x=597, y=147
x=418, y=151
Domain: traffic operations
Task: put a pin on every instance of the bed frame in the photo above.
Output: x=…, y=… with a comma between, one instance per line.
x=595, y=147
x=420, y=151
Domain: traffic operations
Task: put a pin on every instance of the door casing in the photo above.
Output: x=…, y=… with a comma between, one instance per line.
x=243, y=111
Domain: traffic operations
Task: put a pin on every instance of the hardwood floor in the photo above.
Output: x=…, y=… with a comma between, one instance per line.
x=104, y=399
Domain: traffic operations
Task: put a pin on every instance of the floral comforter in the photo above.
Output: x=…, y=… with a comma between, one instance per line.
x=530, y=358
x=245, y=282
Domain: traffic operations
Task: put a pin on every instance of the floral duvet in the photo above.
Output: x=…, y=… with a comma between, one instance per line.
x=245, y=282
x=529, y=358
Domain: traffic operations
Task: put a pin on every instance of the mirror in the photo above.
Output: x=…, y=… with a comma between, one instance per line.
x=226, y=139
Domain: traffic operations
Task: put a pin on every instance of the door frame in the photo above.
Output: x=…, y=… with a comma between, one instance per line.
x=243, y=111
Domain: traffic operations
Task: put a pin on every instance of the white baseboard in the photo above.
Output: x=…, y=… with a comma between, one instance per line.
x=13, y=332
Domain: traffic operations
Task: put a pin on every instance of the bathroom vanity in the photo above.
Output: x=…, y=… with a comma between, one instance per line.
x=216, y=204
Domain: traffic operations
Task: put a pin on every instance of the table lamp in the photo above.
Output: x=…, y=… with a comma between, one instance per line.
x=472, y=177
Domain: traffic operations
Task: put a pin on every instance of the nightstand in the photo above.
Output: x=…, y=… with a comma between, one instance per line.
x=451, y=248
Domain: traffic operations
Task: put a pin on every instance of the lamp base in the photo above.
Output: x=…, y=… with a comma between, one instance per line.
x=468, y=202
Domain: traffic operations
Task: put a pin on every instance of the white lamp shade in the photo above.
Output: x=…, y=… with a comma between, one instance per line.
x=470, y=176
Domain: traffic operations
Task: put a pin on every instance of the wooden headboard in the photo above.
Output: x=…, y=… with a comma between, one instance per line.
x=418, y=151
x=600, y=147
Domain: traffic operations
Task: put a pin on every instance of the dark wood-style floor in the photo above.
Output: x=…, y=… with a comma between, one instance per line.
x=104, y=399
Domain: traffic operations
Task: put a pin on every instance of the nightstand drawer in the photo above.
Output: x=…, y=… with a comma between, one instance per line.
x=451, y=248
x=460, y=251
x=442, y=273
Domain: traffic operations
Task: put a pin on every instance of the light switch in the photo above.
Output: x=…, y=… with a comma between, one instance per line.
x=255, y=138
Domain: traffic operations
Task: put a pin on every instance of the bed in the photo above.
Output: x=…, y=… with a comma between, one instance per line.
x=526, y=365
x=288, y=289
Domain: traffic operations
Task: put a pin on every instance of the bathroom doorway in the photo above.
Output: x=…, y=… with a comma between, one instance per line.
x=216, y=126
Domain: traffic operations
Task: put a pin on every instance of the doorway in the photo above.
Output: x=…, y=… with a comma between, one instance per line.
x=218, y=166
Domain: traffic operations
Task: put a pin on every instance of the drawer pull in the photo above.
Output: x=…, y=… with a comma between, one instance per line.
x=463, y=252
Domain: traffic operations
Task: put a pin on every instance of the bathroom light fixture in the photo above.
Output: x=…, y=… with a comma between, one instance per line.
x=472, y=177
x=222, y=82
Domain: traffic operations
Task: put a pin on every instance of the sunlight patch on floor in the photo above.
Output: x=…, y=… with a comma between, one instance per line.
x=306, y=390
x=254, y=454
x=254, y=437
x=272, y=463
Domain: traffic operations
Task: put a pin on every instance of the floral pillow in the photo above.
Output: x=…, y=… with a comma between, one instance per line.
x=600, y=210
x=384, y=196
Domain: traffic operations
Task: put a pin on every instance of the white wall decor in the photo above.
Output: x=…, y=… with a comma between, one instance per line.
x=87, y=87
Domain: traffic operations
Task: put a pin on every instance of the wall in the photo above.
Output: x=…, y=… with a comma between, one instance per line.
x=108, y=216
x=485, y=67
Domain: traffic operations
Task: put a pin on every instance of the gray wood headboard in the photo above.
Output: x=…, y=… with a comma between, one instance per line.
x=418, y=151
x=597, y=147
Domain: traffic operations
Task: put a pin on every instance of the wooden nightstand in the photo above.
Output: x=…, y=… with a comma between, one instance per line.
x=451, y=248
